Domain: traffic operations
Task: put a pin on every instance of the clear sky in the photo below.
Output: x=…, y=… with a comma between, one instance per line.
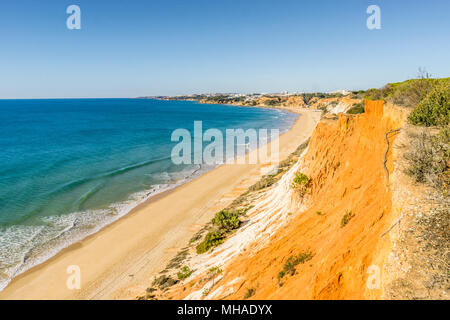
x=167, y=47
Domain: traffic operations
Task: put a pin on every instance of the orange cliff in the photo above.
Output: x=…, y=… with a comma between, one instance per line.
x=344, y=161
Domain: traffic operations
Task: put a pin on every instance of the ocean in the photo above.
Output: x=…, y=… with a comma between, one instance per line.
x=72, y=166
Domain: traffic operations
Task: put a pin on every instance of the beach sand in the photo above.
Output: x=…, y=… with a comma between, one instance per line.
x=118, y=261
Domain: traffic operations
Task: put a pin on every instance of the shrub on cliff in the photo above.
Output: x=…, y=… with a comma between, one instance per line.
x=301, y=183
x=164, y=282
x=289, y=267
x=408, y=93
x=346, y=218
x=356, y=109
x=378, y=94
x=300, y=179
x=250, y=293
x=212, y=239
x=184, y=273
x=434, y=109
x=226, y=220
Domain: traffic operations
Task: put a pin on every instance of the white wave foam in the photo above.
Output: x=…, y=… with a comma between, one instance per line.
x=25, y=246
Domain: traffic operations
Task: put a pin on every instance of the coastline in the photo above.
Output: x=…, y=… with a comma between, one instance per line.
x=141, y=242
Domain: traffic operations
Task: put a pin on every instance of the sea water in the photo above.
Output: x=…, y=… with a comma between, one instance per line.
x=71, y=166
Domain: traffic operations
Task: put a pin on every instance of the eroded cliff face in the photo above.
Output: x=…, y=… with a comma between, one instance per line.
x=344, y=161
x=340, y=223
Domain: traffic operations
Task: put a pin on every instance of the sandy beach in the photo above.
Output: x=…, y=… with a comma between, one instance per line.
x=118, y=261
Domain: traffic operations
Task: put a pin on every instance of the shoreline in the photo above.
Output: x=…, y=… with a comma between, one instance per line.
x=130, y=251
x=135, y=201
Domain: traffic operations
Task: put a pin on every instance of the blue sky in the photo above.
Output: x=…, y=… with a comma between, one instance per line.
x=153, y=47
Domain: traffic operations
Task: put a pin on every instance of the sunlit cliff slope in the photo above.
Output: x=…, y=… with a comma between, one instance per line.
x=325, y=241
x=345, y=164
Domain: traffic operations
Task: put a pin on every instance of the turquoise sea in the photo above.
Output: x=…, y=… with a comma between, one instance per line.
x=71, y=166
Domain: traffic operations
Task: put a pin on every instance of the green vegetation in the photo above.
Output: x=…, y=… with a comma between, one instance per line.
x=429, y=157
x=150, y=290
x=224, y=99
x=319, y=213
x=293, y=157
x=346, y=218
x=428, y=154
x=178, y=259
x=250, y=292
x=434, y=108
x=147, y=297
x=272, y=102
x=408, y=93
x=307, y=97
x=429, y=98
x=289, y=267
x=163, y=282
x=215, y=270
x=356, y=109
x=184, y=273
x=301, y=183
x=281, y=275
x=205, y=292
x=300, y=179
x=212, y=239
x=266, y=181
x=226, y=220
x=323, y=108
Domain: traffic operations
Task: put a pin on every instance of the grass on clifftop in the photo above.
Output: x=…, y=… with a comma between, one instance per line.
x=408, y=93
x=429, y=157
